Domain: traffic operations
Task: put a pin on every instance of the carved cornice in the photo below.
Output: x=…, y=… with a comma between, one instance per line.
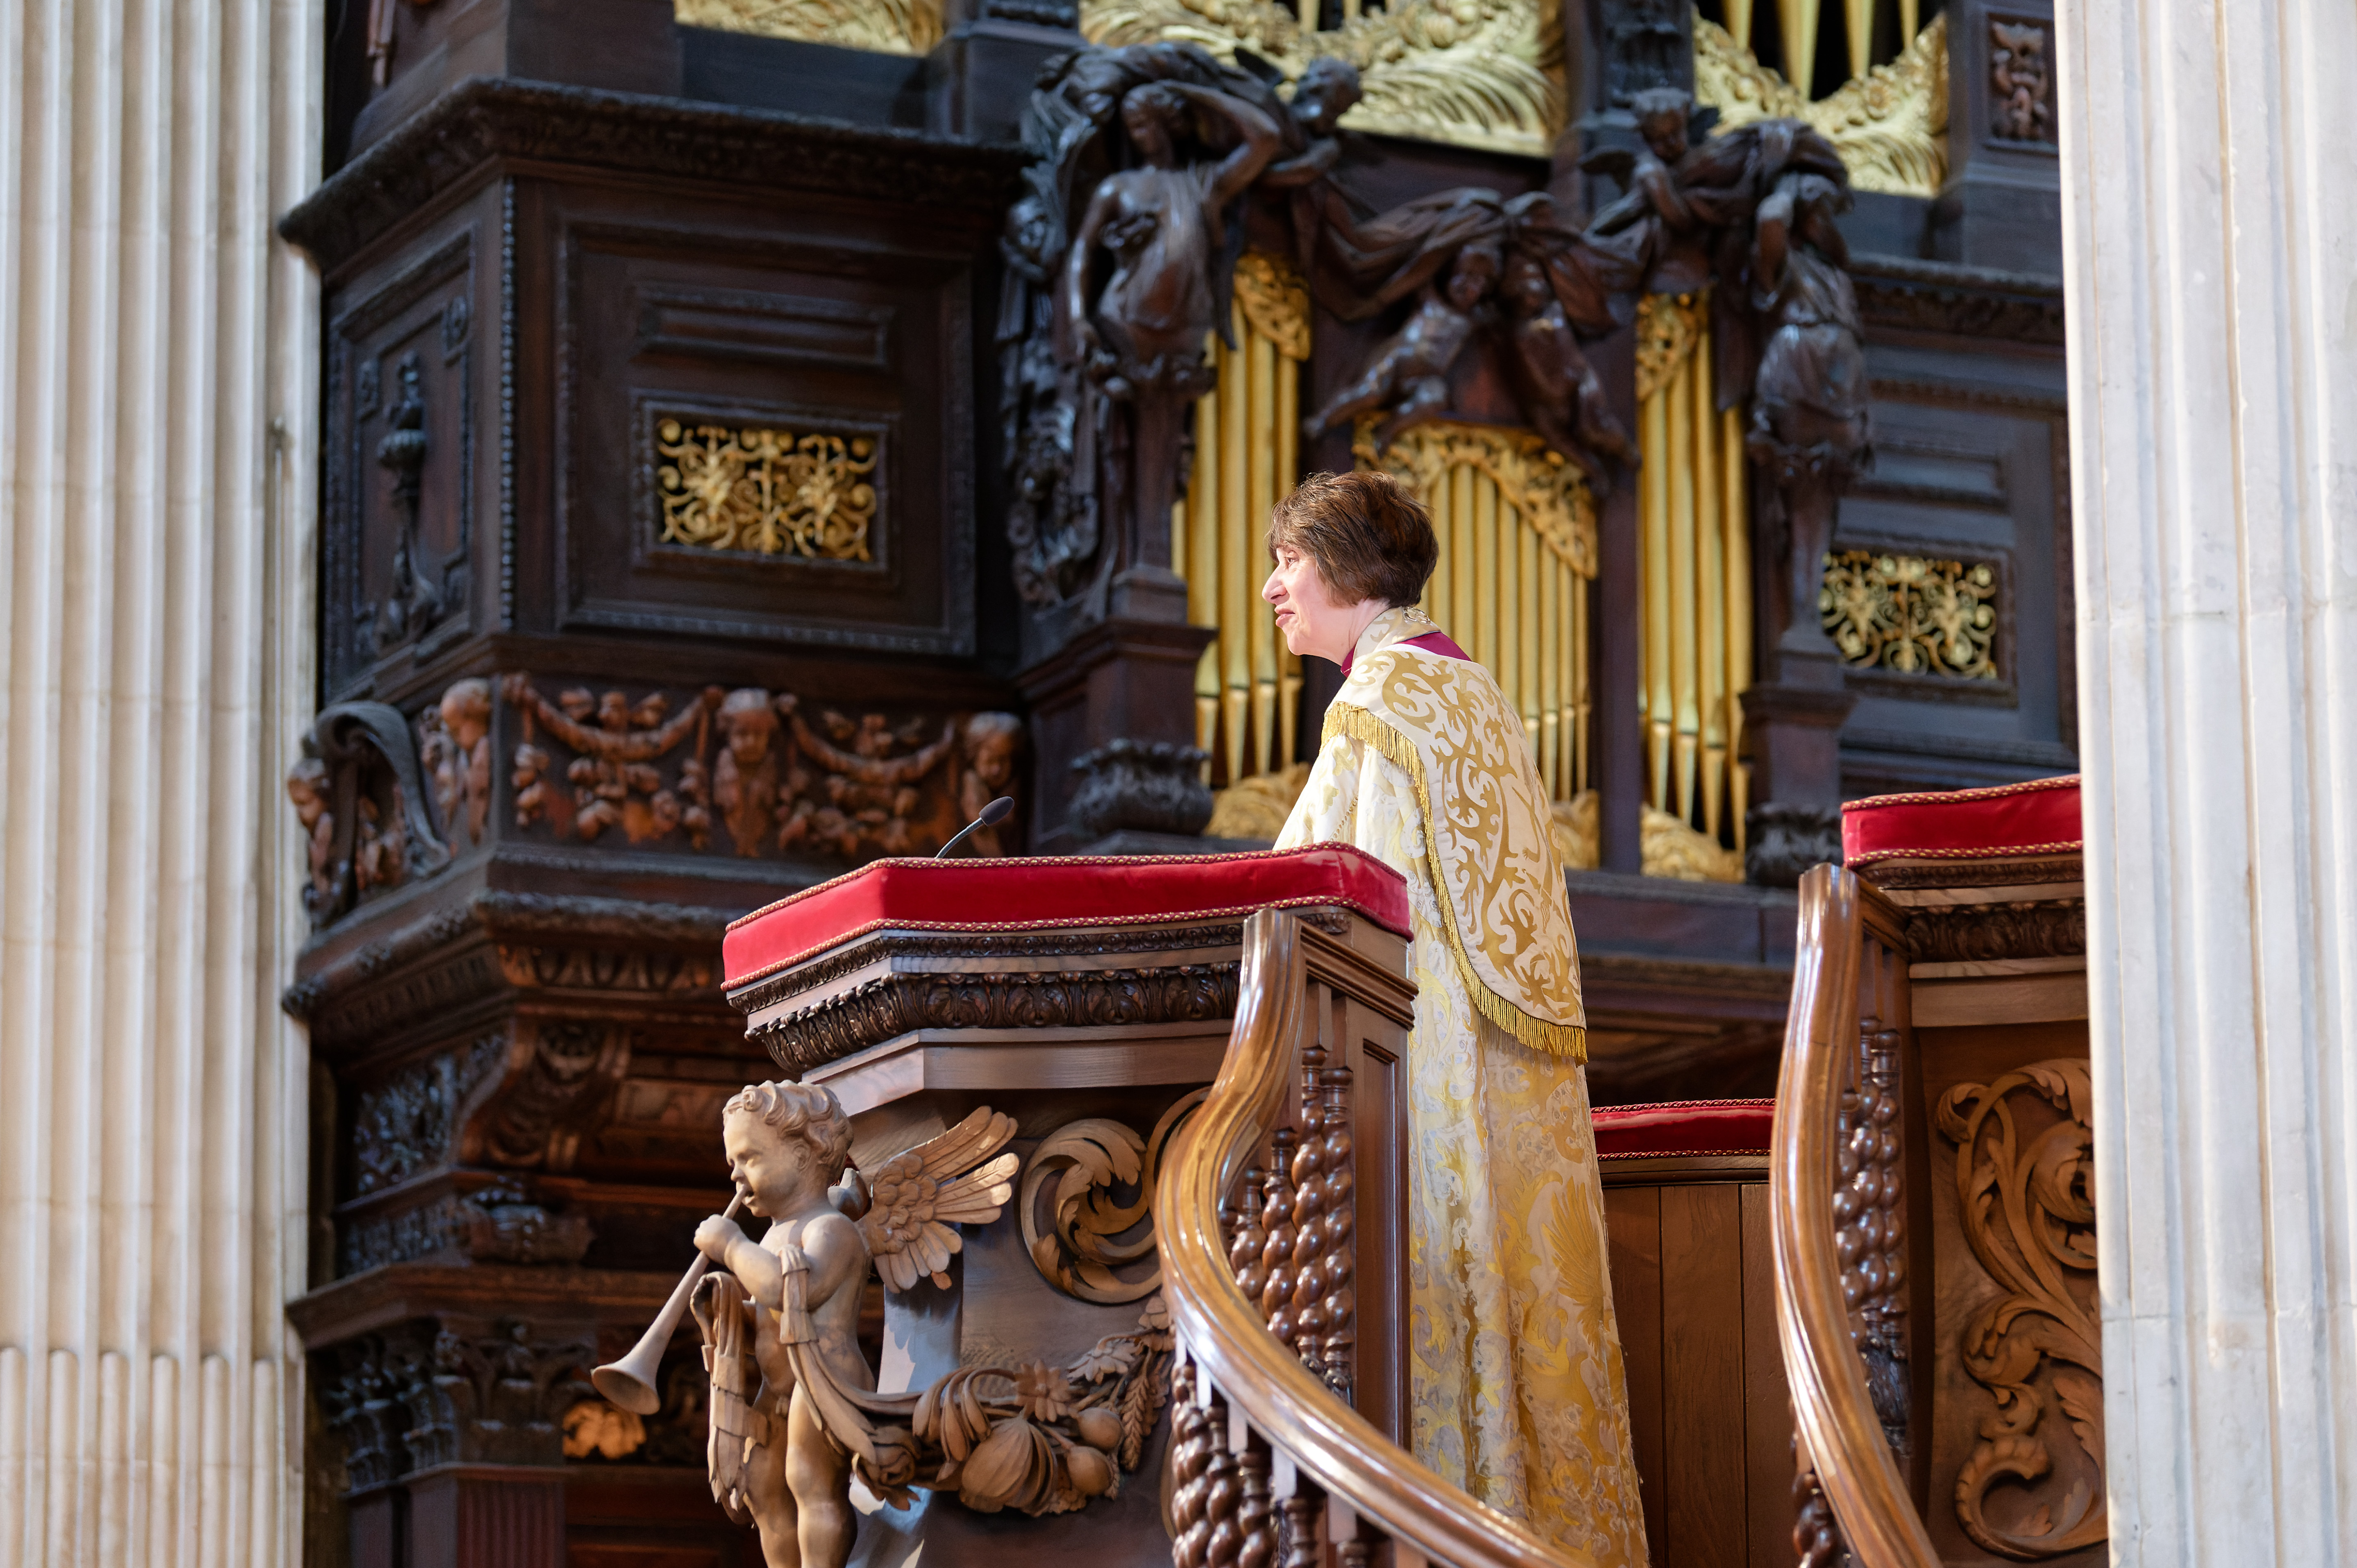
x=1898, y=294
x=894, y=1004
x=484, y=118
x=1090, y=942
x=498, y=940
x=1970, y=933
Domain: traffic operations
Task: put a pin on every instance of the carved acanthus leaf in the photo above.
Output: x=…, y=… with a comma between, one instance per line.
x=1891, y=125
x=2027, y=1200
x=1098, y=1243
x=1275, y=301
x=1474, y=73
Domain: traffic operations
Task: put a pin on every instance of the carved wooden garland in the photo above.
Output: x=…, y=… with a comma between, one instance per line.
x=1092, y=1234
x=1036, y=1439
x=2029, y=1217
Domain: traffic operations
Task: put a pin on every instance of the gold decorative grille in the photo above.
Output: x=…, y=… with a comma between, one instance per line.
x=768, y=493
x=1912, y=615
x=1517, y=533
x=1694, y=565
x=1247, y=433
x=884, y=27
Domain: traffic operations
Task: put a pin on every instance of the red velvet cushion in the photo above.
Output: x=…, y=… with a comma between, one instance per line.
x=2040, y=817
x=1023, y=894
x=1683, y=1127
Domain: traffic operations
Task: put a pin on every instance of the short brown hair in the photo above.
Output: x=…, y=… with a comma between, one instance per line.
x=1369, y=536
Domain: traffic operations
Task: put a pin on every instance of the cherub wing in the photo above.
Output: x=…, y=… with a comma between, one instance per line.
x=919, y=1194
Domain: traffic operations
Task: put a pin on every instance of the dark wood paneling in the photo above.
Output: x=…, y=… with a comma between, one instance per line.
x=1632, y=1222
x=1768, y=1466
x=1702, y=1375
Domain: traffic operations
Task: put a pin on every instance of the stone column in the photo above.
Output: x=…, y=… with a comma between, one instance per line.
x=156, y=405
x=2211, y=271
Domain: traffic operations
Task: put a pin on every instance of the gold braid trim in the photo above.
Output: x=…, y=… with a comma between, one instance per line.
x=1539, y=1034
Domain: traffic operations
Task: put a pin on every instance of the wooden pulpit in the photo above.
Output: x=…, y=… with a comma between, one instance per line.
x=1934, y=1204
x=1092, y=1001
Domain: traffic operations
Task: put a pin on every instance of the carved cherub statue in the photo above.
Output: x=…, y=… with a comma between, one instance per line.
x=1559, y=390
x=1409, y=374
x=991, y=741
x=783, y=1338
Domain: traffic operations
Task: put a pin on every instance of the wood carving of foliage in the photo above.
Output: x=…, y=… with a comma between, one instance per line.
x=2029, y=1217
x=1890, y=125
x=1476, y=73
x=1910, y=613
x=1097, y=1241
x=886, y=26
x=1036, y=1439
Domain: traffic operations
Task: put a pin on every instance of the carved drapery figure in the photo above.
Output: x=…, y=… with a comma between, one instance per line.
x=1808, y=411
x=1121, y=253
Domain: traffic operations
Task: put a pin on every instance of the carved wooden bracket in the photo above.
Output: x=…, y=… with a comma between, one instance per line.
x=359, y=797
x=441, y=1391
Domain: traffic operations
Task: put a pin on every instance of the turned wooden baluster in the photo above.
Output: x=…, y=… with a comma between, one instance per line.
x=1871, y=1232
x=1222, y=1495
x=1301, y=1549
x=1277, y=1253
x=1192, y=1440
x=1254, y=1513
x=1309, y=1215
x=1341, y=1201
x=1250, y=1237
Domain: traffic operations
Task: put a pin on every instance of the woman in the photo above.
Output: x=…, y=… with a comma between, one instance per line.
x=1514, y=1358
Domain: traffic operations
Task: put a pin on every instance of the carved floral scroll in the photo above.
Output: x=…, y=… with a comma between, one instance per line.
x=1098, y=1243
x=2025, y=1187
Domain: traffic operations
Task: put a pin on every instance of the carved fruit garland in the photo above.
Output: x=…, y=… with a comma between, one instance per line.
x=1036, y=1439
x=2029, y=1217
x=1091, y=1233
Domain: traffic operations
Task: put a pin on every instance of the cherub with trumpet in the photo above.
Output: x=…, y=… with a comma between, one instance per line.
x=781, y=1327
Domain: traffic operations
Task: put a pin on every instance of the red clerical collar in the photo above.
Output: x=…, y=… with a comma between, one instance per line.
x=1431, y=641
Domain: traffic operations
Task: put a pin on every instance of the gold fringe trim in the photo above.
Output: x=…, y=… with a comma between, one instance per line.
x=1539, y=1034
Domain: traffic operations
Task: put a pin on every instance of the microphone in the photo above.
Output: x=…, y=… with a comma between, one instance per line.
x=997, y=812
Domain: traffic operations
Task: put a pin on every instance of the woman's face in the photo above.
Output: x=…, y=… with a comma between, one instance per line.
x=1312, y=618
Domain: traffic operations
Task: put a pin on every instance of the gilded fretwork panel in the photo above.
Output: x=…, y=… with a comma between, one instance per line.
x=1890, y=122
x=1694, y=571
x=1912, y=615
x=1247, y=430
x=767, y=492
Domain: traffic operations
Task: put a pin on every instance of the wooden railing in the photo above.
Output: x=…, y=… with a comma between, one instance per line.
x=1849, y=1312
x=1291, y=1389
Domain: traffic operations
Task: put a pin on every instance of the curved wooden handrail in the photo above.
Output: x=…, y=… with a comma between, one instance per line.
x=1830, y=1406
x=1296, y=1413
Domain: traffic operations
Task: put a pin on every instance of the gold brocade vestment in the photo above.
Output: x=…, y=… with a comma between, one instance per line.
x=1516, y=1388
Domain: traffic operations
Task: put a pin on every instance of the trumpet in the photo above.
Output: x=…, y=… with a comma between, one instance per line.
x=630, y=1381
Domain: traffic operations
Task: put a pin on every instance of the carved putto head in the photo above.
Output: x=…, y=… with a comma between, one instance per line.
x=749, y=720
x=990, y=743
x=1663, y=113
x=467, y=711
x=1470, y=275
x=786, y=1142
x=306, y=786
x=1328, y=90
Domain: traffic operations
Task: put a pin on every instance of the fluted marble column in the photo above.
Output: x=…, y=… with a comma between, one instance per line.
x=2210, y=178
x=157, y=413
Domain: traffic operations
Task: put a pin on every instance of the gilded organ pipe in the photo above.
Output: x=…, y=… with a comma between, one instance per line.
x=1247, y=686
x=1517, y=535
x=1694, y=565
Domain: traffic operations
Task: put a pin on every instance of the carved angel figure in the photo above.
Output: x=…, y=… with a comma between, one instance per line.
x=781, y=1328
x=1409, y=374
